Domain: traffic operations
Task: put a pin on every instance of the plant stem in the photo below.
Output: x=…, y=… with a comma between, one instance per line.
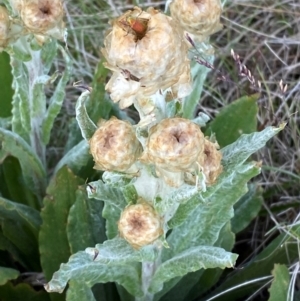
x=37, y=104
x=148, y=270
x=29, y=102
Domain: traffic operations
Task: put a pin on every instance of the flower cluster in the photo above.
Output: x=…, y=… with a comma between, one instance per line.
x=177, y=149
x=175, y=146
x=148, y=54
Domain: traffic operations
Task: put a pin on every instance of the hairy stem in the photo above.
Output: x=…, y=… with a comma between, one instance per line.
x=148, y=270
x=37, y=102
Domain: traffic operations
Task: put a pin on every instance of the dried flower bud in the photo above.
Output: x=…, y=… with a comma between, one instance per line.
x=140, y=225
x=146, y=53
x=211, y=162
x=115, y=147
x=122, y=90
x=200, y=18
x=174, y=146
x=43, y=17
x=4, y=27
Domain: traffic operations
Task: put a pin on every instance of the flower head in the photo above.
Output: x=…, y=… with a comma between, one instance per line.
x=146, y=53
x=42, y=17
x=114, y=146
x=174, y=146
x=201, y=18
x=140, y=225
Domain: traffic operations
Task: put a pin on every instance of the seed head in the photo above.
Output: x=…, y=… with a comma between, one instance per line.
x=140, y=225
x=114, y=146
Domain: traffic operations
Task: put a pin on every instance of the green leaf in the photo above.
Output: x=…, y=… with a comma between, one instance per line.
x=234, y=120
x=85, y=226
x=203, y=225
x=32, y=168
x=105, y=292
x=20, y=111
x=297, y=296
x=239, y=151
x=76, y=159
x=13, y=186
x=61, y=195
x=114, y=203
x=6, y=85
x=280, y=285
x=21, y=214
x=117, y=251
x=5, y=123
x=210, y=277
x=20, y=53
x=112, y=215
x=14, y=252
x=20, y=225
x=99, y=106
x=57, y=99
x=111, y=195
x=281, y=250
x=234, y=155
x=247, y=208
x=7, y=274
x=199, y=73
x=193, y=284
x=83, y=269
x=179, y=196
x=191, y=260
x=74, y=135
x=21, y=292
x=86, y=125
x=79, y=292
x=130, y=194
x=48, y=54
x=116, y=179
x=38, y=97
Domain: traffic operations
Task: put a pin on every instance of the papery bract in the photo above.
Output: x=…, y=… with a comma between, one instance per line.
x=156, y=59
x=201, y=18
x=175, y=145
x=140, y=225
x=114, y=146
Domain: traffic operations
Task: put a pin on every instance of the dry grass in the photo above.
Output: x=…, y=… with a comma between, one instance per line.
x=266, y=37
x=265, y=34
